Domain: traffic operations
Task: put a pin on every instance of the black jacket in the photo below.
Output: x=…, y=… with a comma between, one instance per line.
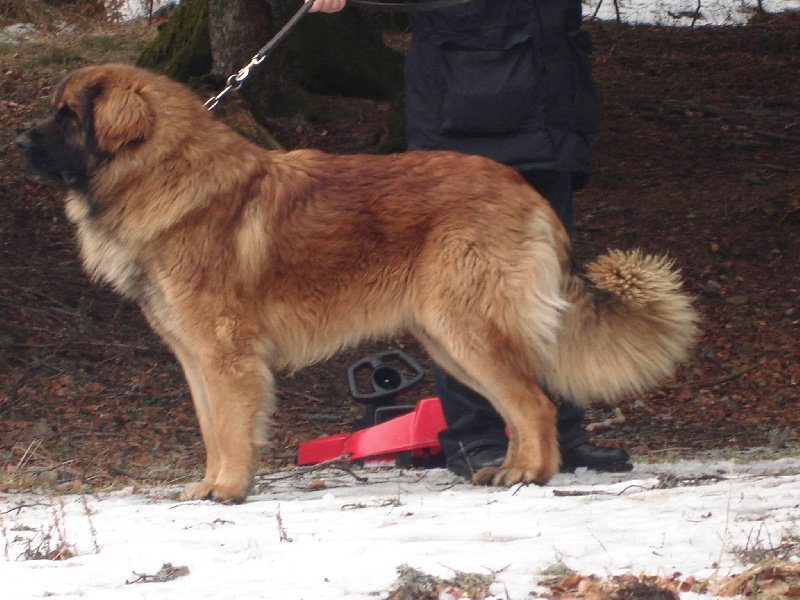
x=508, y=79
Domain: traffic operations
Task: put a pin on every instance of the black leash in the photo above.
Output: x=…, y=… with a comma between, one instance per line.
x=236, y=80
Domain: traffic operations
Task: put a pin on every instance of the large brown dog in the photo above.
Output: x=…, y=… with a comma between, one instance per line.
x=246, y=260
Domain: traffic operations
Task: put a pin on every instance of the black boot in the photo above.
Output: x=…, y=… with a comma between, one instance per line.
x=470, y=460
x=596, y=458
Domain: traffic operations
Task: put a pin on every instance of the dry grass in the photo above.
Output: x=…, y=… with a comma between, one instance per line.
x=413, y=584
x=772, y=574
x=762, y=547
x=66, y=37
x=49, y=541
x=41, y=13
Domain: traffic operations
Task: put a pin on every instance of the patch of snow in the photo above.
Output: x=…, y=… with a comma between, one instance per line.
x=293, y=541
x=15, y=34
x=127, y=10
x=655, y=12
x=682, y=12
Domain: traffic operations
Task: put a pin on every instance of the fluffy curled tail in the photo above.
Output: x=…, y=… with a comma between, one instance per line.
x=624, y=334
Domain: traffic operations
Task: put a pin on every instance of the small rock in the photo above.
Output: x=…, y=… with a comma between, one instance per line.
x=712, y=288
x=14, y=34
x=47, y=478
x=738, y=300
x=42, y=430
x=316, y=485
x=66, y=29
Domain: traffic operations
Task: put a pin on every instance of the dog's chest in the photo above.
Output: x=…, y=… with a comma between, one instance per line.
x=104, y=257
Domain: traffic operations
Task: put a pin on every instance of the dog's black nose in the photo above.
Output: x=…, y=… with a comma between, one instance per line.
x=23, y=142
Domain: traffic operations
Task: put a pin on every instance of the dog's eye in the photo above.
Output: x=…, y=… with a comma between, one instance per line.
x=65, y=113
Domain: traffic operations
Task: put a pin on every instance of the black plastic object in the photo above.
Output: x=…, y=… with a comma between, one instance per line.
x=390, y=373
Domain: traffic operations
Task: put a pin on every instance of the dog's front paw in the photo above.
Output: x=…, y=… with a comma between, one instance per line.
x=197, y=491
x=204, y=490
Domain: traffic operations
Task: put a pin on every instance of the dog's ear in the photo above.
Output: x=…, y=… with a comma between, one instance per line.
x=120, y=116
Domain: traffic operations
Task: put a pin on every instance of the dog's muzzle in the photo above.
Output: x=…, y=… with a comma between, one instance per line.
x=23, y=143
x=36, y=159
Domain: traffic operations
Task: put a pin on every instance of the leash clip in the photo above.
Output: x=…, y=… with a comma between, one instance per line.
x=236, y=80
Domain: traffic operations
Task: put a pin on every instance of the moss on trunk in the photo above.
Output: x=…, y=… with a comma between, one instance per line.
x=182, y=48
x=340, y=54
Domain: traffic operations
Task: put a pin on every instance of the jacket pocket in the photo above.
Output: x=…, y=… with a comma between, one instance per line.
x=487, y=91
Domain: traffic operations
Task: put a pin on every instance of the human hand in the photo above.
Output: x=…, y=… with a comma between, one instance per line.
x=327, y=6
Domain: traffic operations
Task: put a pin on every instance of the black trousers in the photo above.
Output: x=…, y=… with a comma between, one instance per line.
x=471, y=419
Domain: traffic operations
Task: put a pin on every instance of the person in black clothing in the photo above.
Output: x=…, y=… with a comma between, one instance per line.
x=510, y=80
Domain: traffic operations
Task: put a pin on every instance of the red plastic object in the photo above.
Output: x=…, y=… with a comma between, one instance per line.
x=416, y=430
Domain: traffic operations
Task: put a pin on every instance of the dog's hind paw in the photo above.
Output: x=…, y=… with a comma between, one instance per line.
x=508, y=476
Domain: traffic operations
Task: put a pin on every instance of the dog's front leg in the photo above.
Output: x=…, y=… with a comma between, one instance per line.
x=197, y=387
x=233, y=414
x=232, y=392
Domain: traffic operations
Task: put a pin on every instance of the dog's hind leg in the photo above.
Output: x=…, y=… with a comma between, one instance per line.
x=532, y=455
x=497, y=368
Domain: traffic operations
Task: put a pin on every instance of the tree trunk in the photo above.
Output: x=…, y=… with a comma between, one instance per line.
x=341, y=53
x=237, y=29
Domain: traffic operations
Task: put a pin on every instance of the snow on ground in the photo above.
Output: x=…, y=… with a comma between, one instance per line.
x=126, y=10
x=659, y=12
x=291, y=541
x=682, y=12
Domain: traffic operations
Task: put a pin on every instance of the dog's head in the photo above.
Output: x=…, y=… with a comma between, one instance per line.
x=96, y=112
